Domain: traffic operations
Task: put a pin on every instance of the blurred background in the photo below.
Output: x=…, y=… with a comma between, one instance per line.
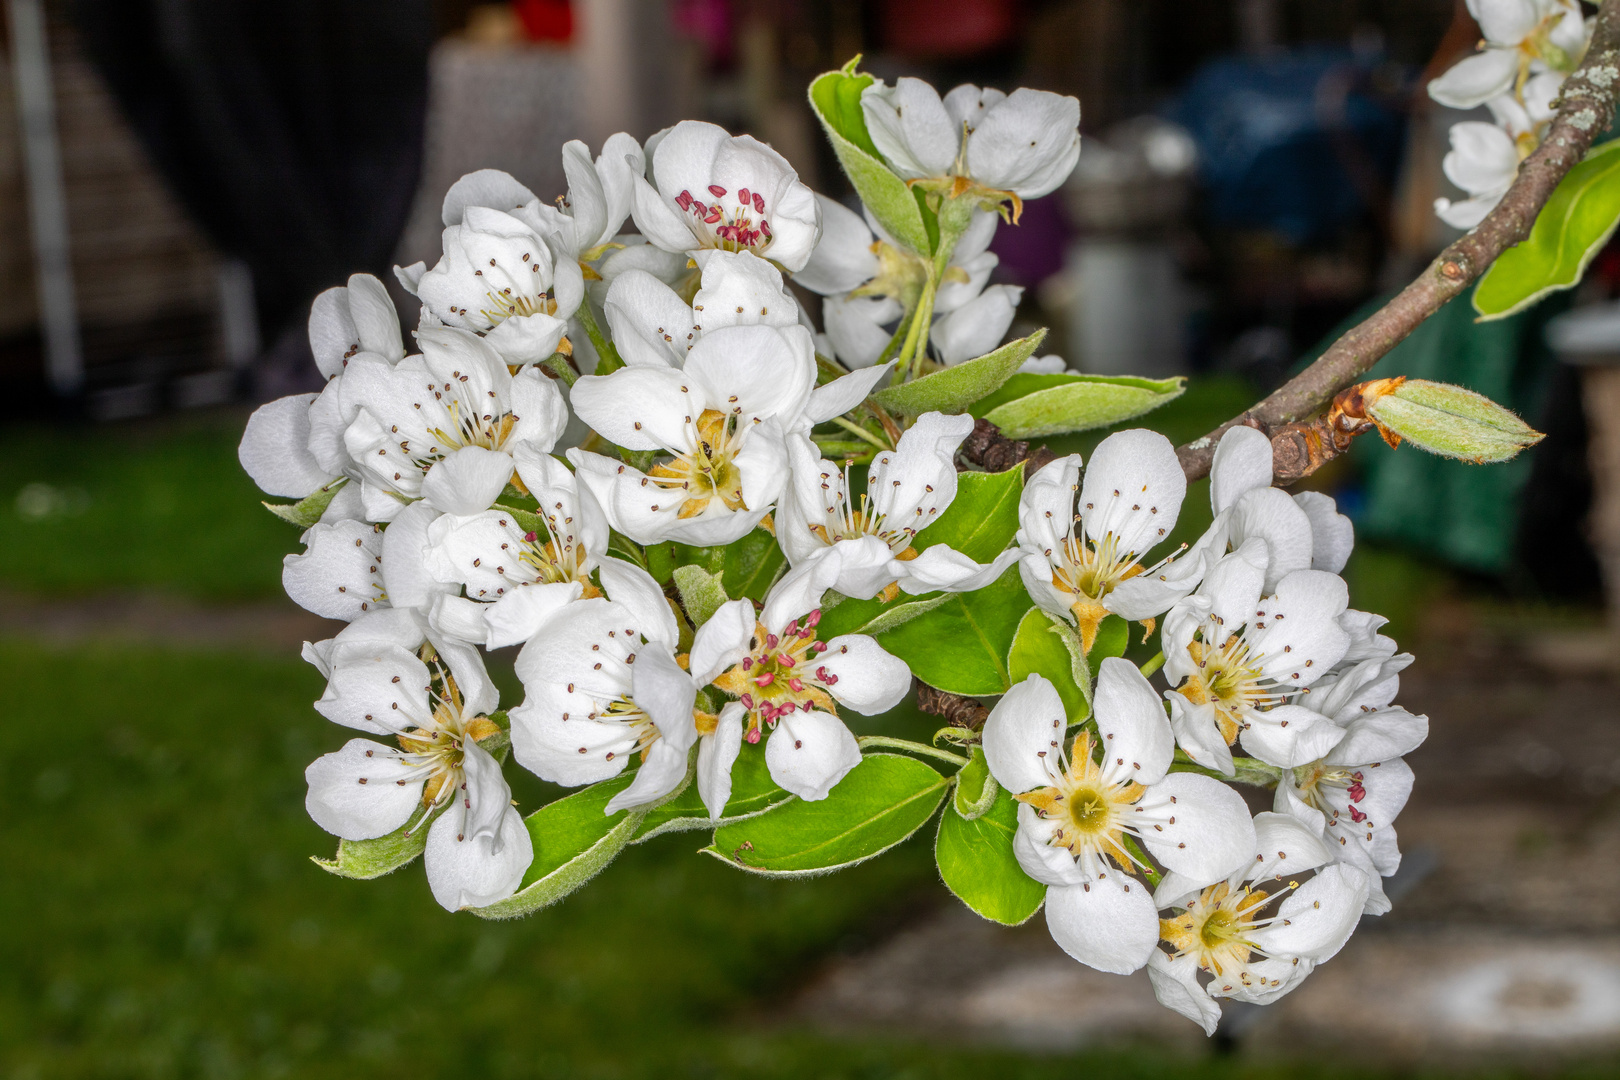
x=179, y=178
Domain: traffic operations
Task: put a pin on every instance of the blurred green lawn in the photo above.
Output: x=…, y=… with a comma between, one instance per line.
x=161, y=917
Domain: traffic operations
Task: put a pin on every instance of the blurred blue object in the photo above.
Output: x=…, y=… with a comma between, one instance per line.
x=1294, y=142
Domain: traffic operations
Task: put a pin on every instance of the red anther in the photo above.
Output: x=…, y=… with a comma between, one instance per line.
x=814, y=618
x=714, y=216
x=830, y=680
x=1357, y=792
x=1357, y=816
x=820, y=646
x=765, y=679
x=531, y=537
x=747, y=701
x=765, y=227
x=748, y=662
x=742, y=195
x=717, y=191
x=759, y=202
x=753, y=736
x=796, y=685
x=784, y=659
x=805, y=705
x=684, y=200
x=792, y=629
x=771, y=640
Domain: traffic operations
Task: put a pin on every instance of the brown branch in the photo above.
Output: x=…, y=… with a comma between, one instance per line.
x=962, y=712
x=992, y=451
x=1588, y=102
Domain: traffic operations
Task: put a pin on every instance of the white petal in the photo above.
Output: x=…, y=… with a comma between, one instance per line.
x=640, y=408
x=1319, y=917
x=1109, y=924
x=659, y=221
x=1242, y=461
x=1289, y=736
x=469, y=481
x=1507, y=22
x=769, y=370
x=1475, y=79
x=1037, y=856
x=978, y=326
x=362, y=791
x=665, y=693
x=870, y=680
x=1133, y=489
x=1332, y=535
x=1023, y=732
x=799, y=591
x=1483, y=157
x=1206, y=833
x=809, y=752
x=741, y=289
x=844, y=393
x=1268, y=513
x=1197, y=733
x=1297, y=629
x=460, y=619
x=1379, y=736
x=717, y=752
x=485, y=187
x=404, y=567
x=337, y=575
x=722, y=641
x=465, y=871
x=275, y=449
x=1028, y=143
x=1285, y=845
x=1175, y=984
x=910, y=127
x=1137, y=741
x=651, y=325
x=856, y=327
x=664, y=768
x=943, y=569
x=384, y=693
x=634, y=591
x=843, y=257
x=1234, y=585
x=524, y=612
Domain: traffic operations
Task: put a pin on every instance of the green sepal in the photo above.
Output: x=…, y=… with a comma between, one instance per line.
x=953, y=389
x=880, y=803
x=1577, y=221
x=1113, y=638
x=702, y=593
x=1028, y=406
x=308, y=510
x=363, y=860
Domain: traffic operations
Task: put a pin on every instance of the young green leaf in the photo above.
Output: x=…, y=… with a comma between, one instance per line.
x=836, y=99
x=1571, y=229
x=874, y=617
x=983, y=518
x=961, y=645
x=953, y=389
x=1028, y=406
x=1450, y=421
x=753, y=792
x=976, y=859
x=308, y=510
x=880, y=803
x=1039, y=648
x=702, y=593
x=573, y=842
x=367, y=859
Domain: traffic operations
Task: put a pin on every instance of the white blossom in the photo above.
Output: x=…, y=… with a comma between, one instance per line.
x=589, y=217
x=1236, y=654
x=710, y=189
x=1245, y=944
x=498, y=276
x=1025, y=143
x=785, y=679
x=1082, y=559
x=516, y=578
x=601, y=685
x=1083, y=813
x=349, y=567
x=1518, y=34
x=443, y=425
x=477, y=845
x=908, y=488
x=976, y=327
x=653, y=326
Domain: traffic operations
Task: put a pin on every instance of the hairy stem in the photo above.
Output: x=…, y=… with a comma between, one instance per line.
x=910, y=747
x=1588, y=101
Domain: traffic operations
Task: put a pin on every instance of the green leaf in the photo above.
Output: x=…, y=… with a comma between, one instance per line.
x=873, y=616
x=1027, y=405
x=702, y=593
x=308, y=510
x=1571, y=229
x=976, y=859
x=1039, y=648
x=983, y=518
x=748, y=566
x=953, y=389
x=961, y=645
x=880, y=803
x=1450, y=421
x=753, y=792
x=1113, y=638
x=367, y=859
x=574, y=840
x=836, y=99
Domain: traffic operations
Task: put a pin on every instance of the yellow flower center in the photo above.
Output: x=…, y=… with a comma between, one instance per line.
x=708, y=471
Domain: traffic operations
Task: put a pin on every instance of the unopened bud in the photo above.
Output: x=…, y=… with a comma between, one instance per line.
x=1443, y=419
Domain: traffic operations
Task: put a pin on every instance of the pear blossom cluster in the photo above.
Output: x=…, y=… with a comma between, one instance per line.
x=1529, y=48
x=589, y=422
